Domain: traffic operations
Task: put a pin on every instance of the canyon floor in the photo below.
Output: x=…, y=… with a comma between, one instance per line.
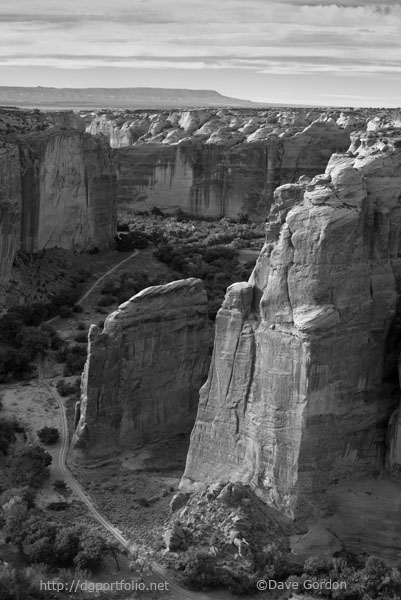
x=132, y=490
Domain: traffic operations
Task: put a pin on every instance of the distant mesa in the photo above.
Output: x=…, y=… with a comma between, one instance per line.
x=135, y=97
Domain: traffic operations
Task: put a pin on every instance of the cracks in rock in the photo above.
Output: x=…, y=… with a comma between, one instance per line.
x=252, y=358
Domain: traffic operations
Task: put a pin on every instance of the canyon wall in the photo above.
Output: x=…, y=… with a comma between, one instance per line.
x=10, y=206
x=58, y=186
x=143, y=372
x=68, y=191
x=215, y=179
x=302, y=384
x=215, y=163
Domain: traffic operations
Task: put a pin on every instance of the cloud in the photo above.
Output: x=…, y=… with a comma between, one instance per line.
x=265, y=36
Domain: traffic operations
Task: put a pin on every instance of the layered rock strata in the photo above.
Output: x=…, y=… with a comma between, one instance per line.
x=144, y=370
x=300, y=393
x=216, y=174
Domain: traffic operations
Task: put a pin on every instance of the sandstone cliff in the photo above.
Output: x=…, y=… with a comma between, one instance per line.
x=220, y=172
x=10, y=206
x=68, y=191
x=144, y=370
x=300, y=392
x=57, y=185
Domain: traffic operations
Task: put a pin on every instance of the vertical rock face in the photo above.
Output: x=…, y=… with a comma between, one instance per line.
x=68, y=191
x=298, y=395
x=218, y=177
x=10, y=205
x=58, y=185
x=144, y=370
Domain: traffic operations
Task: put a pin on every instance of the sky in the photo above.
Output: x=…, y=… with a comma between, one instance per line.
x=288, y=51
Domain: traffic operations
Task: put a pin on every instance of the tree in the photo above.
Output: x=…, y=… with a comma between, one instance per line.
x=67, y=545
x=33, y=341
x=92, y=548
x=7, y=435
x=29, y=466
x=48, y=435
x=38, y=542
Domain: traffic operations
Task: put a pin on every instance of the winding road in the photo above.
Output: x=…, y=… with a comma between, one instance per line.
x=100, y=279
x=179, y=592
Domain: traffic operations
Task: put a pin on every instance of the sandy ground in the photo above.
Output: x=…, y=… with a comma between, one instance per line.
x=34, y=407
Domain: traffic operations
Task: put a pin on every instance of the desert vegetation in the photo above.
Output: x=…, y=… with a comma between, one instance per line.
x=203, y=248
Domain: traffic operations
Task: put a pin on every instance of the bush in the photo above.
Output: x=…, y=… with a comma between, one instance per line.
x=60, y=485
x=156, y=212
x=7, y=435
x=243, y=218
x=48, y=435
x=78, y=308
x=66, y=388
x=33, y=341
x=29, y=466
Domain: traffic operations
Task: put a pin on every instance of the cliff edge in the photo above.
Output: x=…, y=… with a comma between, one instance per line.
x=302, y=382
x=144, y=370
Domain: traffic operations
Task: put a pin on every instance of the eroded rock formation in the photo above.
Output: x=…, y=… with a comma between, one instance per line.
x=299, y=393
x=57, y=185
x=219, y=171
x=142, y=376
x=68, y=191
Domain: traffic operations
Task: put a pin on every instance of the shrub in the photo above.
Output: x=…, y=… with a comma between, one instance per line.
x=7, y=435
x=33, y=341
x=48, y=435
x=60, y=485
x=29, y=466
x=243, y=218
x=156, y=212
x=78, y=308
x=65, y=388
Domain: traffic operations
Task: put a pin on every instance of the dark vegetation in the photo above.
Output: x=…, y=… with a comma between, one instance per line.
x=356, y=577
x=48, y=435
x=29, y=534
x=23, y=334
x=203, y=248
x=66, y=388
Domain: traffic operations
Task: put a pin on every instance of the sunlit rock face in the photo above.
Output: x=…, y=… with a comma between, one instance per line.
x=10, y=206
x=219, y=170
x=68, y=191
x=301, y=386
x=144, y=370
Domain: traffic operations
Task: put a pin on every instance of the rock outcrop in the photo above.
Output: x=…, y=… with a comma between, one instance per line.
x=10, y=206
x=68, y=191
x=300, y=389
x=144, y=370
x=218, y=171
x=57, y=185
